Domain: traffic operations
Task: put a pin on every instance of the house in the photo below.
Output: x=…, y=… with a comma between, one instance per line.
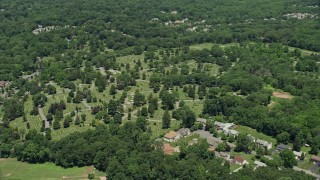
x=3, y=84
x=231, y=132
x=297, y=154
x=171, y=136
x=239, y=160
x=315, y=159
x=202, y=121
x=223, y=155
x=282, y=147
x=219, y=125
x=167, y=149
x=223, y=126
x=263, y=143
x=259, y=164
x=183, y=132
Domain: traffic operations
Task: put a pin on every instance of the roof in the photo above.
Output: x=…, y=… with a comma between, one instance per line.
x=283, y=146
x=167, y=149
x=202, y=120
x=315, y=158
x=217, y=123
x=171, y=135
x=238, y=159
x=3, y=83
x=262, y=142
x=184, y=131
x=296, y=153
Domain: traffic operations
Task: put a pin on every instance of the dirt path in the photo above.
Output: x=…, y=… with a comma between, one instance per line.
x=43, y=117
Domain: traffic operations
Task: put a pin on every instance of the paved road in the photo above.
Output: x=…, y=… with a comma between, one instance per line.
x=306, y=171
x=43, y=117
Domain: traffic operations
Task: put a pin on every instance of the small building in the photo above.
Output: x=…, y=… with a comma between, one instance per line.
x=219, y=125
x=315, y=159
x=222, y=155
x=259, y=164
x=171, y=136
x=239, y=160
x=183, y=132
x=230, y=132
x=282, y=147
x=297, y=154
x=3, y=84
x=202, y=121
x=263, y=143
x=168, y=149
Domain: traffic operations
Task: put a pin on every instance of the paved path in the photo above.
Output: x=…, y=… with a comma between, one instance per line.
x=43, y=117
x=102, y=71
x=306, y=171
x=85, y=103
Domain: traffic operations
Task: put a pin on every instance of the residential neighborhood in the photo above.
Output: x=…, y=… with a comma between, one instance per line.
x=228, y=152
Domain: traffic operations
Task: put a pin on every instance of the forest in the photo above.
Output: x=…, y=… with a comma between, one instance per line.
x=98, y=83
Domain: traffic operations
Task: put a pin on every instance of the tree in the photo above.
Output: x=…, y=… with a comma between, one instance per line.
x=142, y=123
x=138, y=99
x=166, y=119
x=39, y=100
x=112, y=107
x=66, y=123
x=283, y=138
x=117, y=118
x=297, y=144
x=144, y=111
x=260, y=152
x=168, y=100
x=56, y=124
x=113, y=90
x=288, y=158
x=77, y=120
x=243, y=143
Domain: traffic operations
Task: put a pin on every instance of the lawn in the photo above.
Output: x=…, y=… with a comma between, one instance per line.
x=254, y=133
x=13, y=169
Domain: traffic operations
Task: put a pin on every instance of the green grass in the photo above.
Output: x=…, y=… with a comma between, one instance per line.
x=254, y=133
x=196, y=106
x=63, y=132
x=234, y=166
x=157, y=131
x=13, y=169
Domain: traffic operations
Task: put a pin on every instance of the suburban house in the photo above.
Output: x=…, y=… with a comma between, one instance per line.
x=171, y=136
x=239, y=160
x=315, y=159
x=225, y=127
x=230, y=132
x=202, y=121
x=297, y=154
x=183, y=132
x=222, y=155
x=167, y=149
x=213, y=141
x=3, y=84
x=282, y=147
x=263, y=143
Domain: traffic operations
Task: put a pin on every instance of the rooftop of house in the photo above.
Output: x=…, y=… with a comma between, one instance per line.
x=263, y=142
x=296, y=153
x=184, y=131
x=3, y=83
x=171, y=135
x=315, y=158
x=167, y=149
x=283, y=146
x=202, y=120
x=238, y=159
